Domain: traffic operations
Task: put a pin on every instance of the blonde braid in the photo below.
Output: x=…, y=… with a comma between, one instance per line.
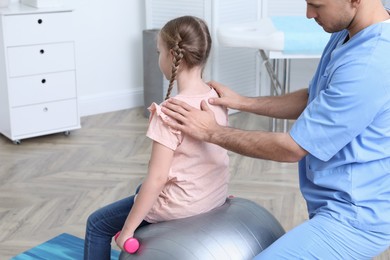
x=178, y=54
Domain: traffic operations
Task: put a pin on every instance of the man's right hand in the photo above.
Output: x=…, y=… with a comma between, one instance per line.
x=227, y=97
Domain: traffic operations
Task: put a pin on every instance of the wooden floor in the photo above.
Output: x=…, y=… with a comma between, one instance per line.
x=49, y=185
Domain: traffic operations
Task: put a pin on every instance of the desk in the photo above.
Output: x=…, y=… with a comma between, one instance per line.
x=278, y=38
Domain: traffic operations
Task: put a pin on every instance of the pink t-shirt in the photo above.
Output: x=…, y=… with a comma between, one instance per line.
x=199, y=174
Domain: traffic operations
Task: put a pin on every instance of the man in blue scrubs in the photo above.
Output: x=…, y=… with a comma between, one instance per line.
x=341, y=136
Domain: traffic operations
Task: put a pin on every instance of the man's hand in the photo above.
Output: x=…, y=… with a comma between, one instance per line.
x=227, y=97
x=200, y=124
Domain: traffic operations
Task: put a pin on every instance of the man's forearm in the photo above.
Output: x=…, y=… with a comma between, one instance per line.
x=263, y=145
x=288, y=106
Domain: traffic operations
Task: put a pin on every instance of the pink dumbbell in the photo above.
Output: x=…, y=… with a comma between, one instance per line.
x=131, y=245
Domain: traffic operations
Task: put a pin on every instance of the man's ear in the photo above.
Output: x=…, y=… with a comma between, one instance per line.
x=355, y=3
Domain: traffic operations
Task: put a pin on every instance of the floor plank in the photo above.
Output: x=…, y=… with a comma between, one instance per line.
x=50, y=184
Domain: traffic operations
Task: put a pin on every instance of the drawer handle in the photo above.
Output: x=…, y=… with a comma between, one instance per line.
x=39, y=21
x=45, y=109
x=43, y=81
x=42, y=51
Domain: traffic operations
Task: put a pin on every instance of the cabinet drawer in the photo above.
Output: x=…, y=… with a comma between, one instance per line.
x=39, y=59
x=44, y=117
x=40, y=28
x=42, y=88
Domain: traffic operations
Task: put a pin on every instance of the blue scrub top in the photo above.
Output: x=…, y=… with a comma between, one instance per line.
x=345, y=128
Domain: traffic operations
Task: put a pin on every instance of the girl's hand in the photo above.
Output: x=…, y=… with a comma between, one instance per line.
x=122, y=238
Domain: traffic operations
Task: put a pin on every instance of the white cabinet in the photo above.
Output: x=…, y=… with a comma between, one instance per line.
x=38, y=92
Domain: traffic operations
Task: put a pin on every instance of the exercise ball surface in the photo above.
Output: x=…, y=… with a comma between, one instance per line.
x=238, y=230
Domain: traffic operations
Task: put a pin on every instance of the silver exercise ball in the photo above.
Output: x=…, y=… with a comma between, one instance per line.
x=238, y=230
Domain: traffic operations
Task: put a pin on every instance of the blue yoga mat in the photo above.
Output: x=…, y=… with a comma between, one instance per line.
x=62, y=247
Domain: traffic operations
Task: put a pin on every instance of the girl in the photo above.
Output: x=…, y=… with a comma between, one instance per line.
x=185, y=176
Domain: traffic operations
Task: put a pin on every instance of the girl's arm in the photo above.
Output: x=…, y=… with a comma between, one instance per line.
x=159, y=165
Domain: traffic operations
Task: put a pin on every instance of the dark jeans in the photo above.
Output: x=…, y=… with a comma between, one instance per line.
x=103, y=224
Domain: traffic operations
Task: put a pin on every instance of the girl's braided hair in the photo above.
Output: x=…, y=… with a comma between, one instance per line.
x=189, y=39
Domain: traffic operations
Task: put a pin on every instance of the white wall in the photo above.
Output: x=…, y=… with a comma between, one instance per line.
x=108, y=54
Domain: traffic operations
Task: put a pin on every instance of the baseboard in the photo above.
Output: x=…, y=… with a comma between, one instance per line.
x=109, y=102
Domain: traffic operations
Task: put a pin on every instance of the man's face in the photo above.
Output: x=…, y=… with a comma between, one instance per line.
x=331, y=15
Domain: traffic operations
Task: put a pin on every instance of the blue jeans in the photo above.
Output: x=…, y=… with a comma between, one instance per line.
x=103, y=224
